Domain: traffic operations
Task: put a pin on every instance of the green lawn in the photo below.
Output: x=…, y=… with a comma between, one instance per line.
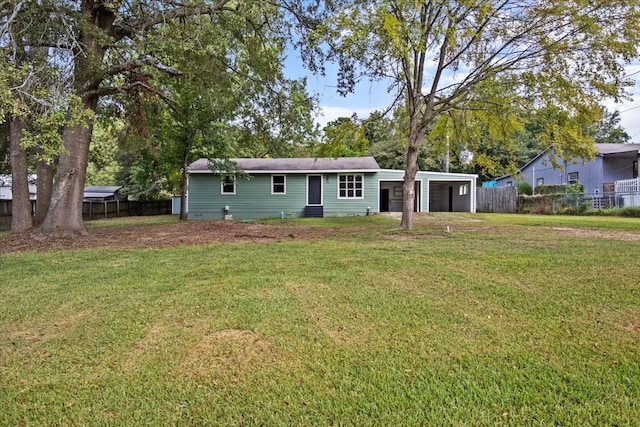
x=502, y=320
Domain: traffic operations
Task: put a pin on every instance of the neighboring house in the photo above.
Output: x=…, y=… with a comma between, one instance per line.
x=102, y=193
x=6, y=183
x=307, y=187
x=614, y=162
x=91, y=193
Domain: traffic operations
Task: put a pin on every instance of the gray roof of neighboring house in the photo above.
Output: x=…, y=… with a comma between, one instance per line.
x=102, y=188
x=612, y=149
x=603, y=150
x=351, y=164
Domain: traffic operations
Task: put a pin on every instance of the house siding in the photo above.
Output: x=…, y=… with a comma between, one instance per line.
x=253, y=198
x=592, y=174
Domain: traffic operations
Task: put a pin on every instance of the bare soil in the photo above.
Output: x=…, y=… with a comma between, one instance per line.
x=162, y=236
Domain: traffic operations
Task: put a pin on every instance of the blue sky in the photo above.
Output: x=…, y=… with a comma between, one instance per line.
x=371, y=96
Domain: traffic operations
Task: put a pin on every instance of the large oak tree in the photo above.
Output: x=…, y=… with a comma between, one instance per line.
x=102, y=49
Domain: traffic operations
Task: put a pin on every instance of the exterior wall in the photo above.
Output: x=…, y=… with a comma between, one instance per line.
x=541, y=171
x=619, y=168
x=592, y=174
x=343, y=207
x=253, y=198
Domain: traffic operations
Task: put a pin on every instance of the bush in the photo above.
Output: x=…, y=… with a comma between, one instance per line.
x=525, y=188
x=576, y=188
x=629, y=211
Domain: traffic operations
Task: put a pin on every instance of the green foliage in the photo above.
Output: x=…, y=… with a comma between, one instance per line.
x=232, y=101
x=565, y=199
x=442, y=58
x=609, y=131
x=103, y=167
x=525, y=188
x=576, y=188
x=343, y=137
x=628, y=211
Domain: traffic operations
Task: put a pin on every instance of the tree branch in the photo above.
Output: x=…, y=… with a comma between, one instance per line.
x=126, y=67
x=126, y=29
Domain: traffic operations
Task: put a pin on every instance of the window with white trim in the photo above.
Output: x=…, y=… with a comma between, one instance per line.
x=540, y=181
x=350, y=186
x=572, y=177
x=278, y=184
x=463, y=190
x=228, y=185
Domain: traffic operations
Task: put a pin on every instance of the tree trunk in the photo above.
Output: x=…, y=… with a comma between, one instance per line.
x=21, y=219
x=409, y=188
x=183, y=193
x=65, y=212
x=44, y=182
x=416, y=139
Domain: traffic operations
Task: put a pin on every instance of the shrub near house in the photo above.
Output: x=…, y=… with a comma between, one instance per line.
x=558, y=198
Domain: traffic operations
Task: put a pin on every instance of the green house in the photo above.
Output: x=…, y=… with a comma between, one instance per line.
x=308, y=187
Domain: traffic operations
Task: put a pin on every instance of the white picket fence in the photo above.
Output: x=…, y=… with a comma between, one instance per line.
x=627, y=192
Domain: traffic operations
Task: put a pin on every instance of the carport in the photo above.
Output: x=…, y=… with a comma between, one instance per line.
x=451, y=196
x=435, y=191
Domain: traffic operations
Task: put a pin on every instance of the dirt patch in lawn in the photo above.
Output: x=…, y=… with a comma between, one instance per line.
x=598, y=234
x=164, y=236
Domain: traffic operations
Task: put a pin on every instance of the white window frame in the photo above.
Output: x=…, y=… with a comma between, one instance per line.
x=355, y=187
x=284, y=184
x=224, y=181
x=463, y=190
x=572, y=180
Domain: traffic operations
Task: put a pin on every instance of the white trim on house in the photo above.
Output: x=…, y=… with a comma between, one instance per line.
x=224, y=182
x=347, y=189
x=284, y=184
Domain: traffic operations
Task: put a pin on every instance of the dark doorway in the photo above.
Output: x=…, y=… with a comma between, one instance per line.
x=314, y=195
x=450, y=199
x=384, y=200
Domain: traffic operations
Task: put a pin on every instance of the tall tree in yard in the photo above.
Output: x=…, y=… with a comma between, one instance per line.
x=106, y=48
x=233, y=99
x=435, y=53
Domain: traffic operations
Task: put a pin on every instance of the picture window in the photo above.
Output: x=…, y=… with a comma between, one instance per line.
x=350, y=187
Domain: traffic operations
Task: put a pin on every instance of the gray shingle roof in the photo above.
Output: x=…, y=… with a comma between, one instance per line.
x=608, y=149
x=350, y=164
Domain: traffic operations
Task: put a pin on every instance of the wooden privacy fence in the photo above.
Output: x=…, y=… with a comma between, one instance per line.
x=497, y=199
x=98, y=210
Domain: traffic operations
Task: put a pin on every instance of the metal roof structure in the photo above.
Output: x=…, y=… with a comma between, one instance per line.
x=101, y=191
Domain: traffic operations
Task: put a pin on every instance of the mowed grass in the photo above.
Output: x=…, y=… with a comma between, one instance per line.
x=501, y=320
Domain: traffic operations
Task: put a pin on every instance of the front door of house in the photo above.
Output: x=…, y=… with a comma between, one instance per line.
x=314, y=190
